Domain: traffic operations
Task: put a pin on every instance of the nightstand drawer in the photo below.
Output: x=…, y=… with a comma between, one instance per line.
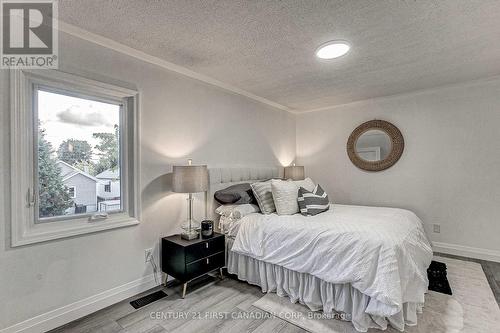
x=204, y=249
x=205, y=265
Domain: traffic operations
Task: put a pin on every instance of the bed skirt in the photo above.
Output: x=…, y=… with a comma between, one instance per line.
x=318, y=295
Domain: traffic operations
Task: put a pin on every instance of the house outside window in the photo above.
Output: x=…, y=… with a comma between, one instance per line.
x=109, y=193
x=85, y=199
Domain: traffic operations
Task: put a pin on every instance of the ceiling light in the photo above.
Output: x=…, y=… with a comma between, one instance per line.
x=332, y=50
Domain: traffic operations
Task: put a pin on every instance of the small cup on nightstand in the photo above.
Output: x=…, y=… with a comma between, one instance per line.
x=207, y=228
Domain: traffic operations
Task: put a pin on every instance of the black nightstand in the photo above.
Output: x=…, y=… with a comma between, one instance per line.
x=186, y=260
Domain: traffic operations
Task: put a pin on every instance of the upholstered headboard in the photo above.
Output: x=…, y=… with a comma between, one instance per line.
x=220, y=178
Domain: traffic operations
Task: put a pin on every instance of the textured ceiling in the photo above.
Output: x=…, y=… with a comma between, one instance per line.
x=267, y=47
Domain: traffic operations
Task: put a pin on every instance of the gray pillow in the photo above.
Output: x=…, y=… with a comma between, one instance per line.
x=312, y=203
x=236, y=194
x=264, y=195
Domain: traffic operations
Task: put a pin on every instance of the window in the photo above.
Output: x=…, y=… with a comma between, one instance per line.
x=78, y=143
x=71, y=191
x=84, y=136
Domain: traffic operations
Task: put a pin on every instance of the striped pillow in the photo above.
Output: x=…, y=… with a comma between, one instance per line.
x=264, y=195
x=312, y=203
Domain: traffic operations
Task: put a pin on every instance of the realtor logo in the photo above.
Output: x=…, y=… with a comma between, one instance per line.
x=29, y=34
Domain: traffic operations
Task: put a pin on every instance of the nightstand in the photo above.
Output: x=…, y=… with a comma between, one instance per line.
x=186, y=260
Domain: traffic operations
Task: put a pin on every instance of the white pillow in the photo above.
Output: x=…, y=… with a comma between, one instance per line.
x=285, y=194
x=307, y=183
x=237, y=211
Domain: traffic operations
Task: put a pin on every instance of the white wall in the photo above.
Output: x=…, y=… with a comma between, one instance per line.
x=181, y=118
x=449, y=173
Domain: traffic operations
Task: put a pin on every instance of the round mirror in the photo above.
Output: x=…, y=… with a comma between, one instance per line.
x=375, y=145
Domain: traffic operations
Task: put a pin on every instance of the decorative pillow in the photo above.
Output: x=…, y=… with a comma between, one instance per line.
x=307, y=183
x=264, y=196
x=312, y=203
x=236, y=194
x=237, y=211
x=285, y=195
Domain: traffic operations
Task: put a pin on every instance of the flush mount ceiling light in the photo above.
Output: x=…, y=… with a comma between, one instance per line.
x=332, y=49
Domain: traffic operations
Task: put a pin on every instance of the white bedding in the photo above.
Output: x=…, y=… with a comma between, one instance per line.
x=382, y=252
x=229, y=225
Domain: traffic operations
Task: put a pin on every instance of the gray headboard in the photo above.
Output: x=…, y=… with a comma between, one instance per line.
x=220, y=178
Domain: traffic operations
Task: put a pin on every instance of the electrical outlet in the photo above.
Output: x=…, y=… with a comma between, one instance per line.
x=437, y=228
x=148, y=254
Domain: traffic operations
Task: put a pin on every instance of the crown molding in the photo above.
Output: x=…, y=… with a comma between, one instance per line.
x=417, y=92
x=119, y=47
x=127, y=50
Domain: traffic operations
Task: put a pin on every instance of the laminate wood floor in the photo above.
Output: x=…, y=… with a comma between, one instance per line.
x=210, y=306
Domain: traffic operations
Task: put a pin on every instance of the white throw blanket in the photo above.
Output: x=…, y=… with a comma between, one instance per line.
x=382, y=252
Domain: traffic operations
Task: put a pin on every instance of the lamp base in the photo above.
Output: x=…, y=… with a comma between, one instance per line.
x=190, y=234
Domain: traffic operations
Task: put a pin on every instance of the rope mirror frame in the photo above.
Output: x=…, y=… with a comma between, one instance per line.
x=397, y=141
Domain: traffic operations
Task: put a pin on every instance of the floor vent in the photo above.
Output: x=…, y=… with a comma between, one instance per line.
x=145, y=300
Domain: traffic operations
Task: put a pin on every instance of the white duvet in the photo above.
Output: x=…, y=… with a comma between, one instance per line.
x=382, y=252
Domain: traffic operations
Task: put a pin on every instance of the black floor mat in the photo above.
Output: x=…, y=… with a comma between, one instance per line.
x=438, y=280
x=145, y=300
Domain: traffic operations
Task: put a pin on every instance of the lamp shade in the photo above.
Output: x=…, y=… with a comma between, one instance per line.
x=294, y=172
x=190, y=179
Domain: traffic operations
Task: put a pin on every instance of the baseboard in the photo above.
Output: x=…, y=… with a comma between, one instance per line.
x=79, y=309
x=467, y=251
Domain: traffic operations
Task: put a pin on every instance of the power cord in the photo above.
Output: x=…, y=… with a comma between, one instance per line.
x=155, y=268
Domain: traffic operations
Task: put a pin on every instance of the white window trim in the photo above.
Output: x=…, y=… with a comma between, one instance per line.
x=24, y=229
x=74, y=191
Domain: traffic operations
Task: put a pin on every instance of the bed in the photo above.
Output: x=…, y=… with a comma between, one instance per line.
x=368, y=263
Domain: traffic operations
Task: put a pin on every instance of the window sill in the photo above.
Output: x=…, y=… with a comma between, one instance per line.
x=43, y=232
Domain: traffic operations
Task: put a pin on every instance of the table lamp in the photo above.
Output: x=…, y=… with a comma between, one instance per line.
x=294, y=172
x=190, y=179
